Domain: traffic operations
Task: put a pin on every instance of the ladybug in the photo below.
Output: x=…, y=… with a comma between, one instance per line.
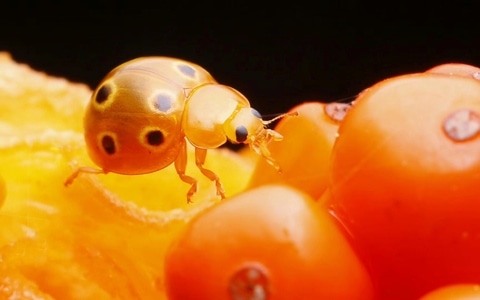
x=142, y=113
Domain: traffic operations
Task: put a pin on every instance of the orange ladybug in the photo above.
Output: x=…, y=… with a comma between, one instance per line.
x=141, y=114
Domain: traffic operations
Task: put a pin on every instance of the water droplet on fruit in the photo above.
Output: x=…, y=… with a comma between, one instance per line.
x=249, y=283
x=337, y=111
x=462, y=125
x=476, y=75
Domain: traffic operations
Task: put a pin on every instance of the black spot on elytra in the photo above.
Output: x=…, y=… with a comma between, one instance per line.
x=241, y=134
x=103, y=93
x=154, y=138
x=108, y=144
x=163, y=102
x=187, y=70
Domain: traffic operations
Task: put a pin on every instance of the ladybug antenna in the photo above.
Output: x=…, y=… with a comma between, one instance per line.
x=288, y=114
x=348, y=100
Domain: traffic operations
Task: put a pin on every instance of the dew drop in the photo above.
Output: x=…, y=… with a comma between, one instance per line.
x=337, y=111
x=462, y=125
x=476, y=75
x=249, y=283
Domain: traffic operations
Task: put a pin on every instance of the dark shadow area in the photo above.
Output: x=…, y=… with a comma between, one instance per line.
x=276, y=56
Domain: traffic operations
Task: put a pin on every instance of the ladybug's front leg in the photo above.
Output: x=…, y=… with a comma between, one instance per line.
x=200, y=156
x=180, y=166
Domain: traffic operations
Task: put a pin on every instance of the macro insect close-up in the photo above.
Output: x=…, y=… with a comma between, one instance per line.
x=141, y=114
x=187, y=152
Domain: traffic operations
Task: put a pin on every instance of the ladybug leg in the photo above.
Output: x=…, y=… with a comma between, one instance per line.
x=260, y=146
x=200, y=156
x=180, y=167
x=81, y=170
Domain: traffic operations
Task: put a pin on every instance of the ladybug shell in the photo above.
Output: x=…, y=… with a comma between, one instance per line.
x=133, y=122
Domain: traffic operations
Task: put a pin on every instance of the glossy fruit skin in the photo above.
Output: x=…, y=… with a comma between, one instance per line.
x=275, y=230
x=454, y=292
x=304, y=154
x=456, y=69
x=406, y=191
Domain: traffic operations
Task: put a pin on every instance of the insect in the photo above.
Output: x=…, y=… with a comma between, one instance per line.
x=144, y=111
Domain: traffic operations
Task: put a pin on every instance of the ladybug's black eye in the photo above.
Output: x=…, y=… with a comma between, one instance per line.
x=241, y=134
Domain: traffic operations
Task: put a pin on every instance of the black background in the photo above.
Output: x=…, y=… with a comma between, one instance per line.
x=278, y=55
